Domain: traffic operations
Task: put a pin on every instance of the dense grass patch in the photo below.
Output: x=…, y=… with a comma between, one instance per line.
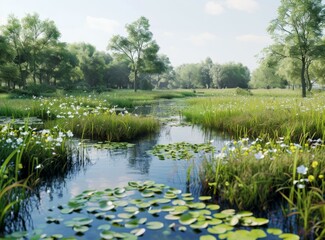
x=258, y=173
x=26, y=154
x=257, y=115
x=108, y=126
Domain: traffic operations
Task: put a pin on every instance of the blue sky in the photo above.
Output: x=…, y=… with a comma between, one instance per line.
x=187, y=31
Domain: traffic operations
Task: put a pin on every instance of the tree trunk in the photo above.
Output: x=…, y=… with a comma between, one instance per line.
x=310, y=85
x=135, y=80
x=303, y=81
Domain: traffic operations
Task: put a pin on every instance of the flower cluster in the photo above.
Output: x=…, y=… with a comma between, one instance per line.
x=31, y=140
x=70, y=107
x=312, y=173
x=259, y=149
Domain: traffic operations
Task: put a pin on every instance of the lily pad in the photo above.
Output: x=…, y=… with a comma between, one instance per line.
x=81, y=229
x=207, y=237
x=213, y=207
x=205, y=198
x=289, y=236
x=138, y=232
x=274, y=231
x=154, y=225
x=187, y=219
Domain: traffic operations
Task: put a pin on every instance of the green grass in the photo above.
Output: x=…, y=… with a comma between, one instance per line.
x=249, y=174
x=108, y=126
x=25, y=155
x=275, y=115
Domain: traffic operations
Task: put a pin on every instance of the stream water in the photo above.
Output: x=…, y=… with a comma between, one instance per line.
x=109, y=168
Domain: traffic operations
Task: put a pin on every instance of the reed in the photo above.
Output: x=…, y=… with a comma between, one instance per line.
x=108, y=126
x=254, y=116
x=256, y=173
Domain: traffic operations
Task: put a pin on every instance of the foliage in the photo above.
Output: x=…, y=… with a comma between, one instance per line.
x=137, y=48
x=148, y=209
x=233, y=75
x=181, y=150
x=297, y=32
x=267, y=75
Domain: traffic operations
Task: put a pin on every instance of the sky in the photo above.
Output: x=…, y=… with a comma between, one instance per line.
x=187, y=31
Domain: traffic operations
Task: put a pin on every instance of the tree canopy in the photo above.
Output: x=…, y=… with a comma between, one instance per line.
x=138, y=48
x=297, y=32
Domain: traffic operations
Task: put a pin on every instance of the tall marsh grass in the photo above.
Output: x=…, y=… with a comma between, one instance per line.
x=25, y=154
x=254, y=116
x=108, y=126
x=259, y=173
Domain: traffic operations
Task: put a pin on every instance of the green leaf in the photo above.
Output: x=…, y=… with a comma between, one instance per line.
x=207, y=237
x=104, y=227
x=289, y=236
x=205, y=198
x=81, y=229
x=213, y=207
x=187, y=219
x=106, y=234
x=138, y=232
x=154, y=225
x=274, y=231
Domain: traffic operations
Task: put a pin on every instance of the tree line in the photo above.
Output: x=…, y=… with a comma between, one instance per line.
x=32, y=55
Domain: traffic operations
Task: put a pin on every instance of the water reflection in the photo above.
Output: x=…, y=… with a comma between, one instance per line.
x=106, y=168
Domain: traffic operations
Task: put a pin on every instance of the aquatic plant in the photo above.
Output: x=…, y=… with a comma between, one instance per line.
x=250, y=173
x=25, y=154
x=180, y=150
x=9, y=183
x=39, y=149
x=150, y=210
x=306, y=197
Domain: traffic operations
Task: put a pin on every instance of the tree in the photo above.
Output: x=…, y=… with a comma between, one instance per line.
x=93, y=64
x=118, y=74
x=188, y=76
x=13, y=34
x=206, y=74
x=8, y=71
x=215, y=74
x=267, y=74
x=297, y=32
x=38, y=35
x=29, y=38
x=234, y=75
x=136, y=48
x=157, y=67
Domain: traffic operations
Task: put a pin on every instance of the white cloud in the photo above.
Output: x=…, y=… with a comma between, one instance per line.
x=242, y=5
x=214, y=8
x=102, y=24
x=203, y=38
x=253, y=38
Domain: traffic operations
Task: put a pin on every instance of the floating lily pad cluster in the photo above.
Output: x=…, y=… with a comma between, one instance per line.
x=112, y=145
x=149, y=209
x=180, y=150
